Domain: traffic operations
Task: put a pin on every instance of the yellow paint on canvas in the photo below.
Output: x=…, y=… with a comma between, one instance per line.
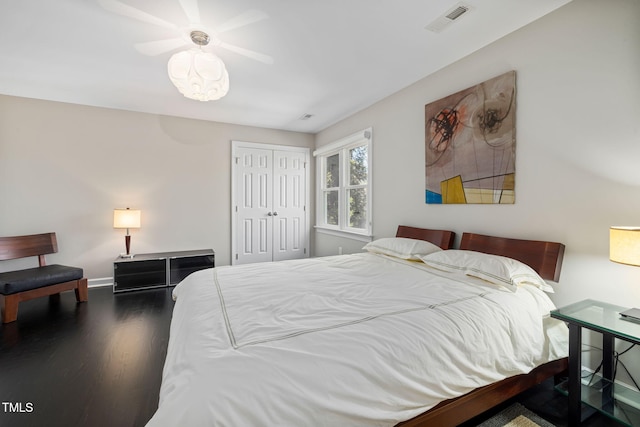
x=486, y=196
x=452, y=191
x=509, y=182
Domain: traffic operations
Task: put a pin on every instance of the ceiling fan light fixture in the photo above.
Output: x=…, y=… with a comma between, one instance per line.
x=197, y=74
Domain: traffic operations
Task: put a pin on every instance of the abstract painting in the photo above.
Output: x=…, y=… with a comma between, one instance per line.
x=470, y=144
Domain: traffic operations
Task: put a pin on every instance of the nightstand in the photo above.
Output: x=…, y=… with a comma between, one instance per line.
x=154, y=270
x=603, y=395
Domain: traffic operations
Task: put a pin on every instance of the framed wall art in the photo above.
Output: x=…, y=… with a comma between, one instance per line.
x=470, y=144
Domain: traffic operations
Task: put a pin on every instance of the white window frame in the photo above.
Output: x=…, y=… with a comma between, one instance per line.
x=342, y=147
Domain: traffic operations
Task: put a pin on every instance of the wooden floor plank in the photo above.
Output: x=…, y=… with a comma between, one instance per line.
x=91, y=364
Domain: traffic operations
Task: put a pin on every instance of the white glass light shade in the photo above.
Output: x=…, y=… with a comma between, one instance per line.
x=199, y=75
x=624, y=245
x=126, y=218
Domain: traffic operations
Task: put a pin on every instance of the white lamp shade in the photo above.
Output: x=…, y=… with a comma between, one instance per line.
x=126, y=218
x=199, y=75
x=624, y=245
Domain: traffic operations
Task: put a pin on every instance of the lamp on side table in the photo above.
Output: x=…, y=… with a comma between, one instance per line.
x=624, y=248
x=126, y=218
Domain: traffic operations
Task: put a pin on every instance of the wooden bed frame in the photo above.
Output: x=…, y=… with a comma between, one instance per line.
x=543, y=257
x=442, y=238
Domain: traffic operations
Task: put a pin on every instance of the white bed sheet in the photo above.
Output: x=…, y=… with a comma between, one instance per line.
x=351, y=340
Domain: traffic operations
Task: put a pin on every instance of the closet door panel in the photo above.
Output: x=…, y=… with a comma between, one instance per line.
x=289, y=226
x=254, y=183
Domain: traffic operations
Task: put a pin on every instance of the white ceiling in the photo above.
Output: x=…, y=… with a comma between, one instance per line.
x=331, y=58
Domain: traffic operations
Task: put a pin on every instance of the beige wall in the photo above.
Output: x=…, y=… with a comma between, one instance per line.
x=64, y=168
x=578, y=145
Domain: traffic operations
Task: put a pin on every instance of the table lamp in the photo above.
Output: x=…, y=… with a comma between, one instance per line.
x=126, y=218
x=624, y=248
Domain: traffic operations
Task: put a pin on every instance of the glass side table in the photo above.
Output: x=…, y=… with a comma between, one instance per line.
x=603, y=395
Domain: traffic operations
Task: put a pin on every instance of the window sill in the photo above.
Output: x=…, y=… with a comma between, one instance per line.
x=346, y=234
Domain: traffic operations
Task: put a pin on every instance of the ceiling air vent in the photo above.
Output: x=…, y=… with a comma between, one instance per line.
x=448, y=17
x=457, y=12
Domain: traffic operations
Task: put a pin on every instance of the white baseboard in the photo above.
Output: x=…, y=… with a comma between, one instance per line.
x=100, y=282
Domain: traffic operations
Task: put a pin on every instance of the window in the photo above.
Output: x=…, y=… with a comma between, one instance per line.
x=344, y=186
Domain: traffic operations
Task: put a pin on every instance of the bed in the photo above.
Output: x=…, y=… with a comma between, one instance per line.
x=380, y=338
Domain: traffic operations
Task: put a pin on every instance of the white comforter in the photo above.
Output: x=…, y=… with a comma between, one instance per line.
x=352, y=340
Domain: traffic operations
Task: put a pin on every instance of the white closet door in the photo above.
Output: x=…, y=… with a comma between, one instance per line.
x=289, y=200
x=254, y=195
x=269, y=219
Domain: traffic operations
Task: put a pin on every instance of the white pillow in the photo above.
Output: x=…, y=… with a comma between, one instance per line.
x=496, y=269
x=402, y=247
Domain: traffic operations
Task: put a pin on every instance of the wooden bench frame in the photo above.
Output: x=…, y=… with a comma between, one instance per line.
x=35, y=245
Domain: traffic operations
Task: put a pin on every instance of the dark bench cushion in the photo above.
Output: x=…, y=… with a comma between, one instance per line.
x=12, y=282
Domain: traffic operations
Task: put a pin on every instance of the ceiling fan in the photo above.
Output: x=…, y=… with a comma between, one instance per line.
x=184, y=34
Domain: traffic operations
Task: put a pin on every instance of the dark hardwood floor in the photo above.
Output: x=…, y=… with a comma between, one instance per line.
x=90, y=364
x=100, y=363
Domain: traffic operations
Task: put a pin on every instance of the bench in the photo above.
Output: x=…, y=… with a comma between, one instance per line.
x=44, y=280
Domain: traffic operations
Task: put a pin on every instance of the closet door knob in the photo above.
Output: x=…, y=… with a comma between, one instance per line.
x=275, y=214
x=269, y=214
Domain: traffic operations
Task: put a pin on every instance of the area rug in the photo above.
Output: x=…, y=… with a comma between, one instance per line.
x=516, y=415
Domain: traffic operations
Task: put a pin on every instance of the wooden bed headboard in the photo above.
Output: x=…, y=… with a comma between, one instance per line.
x=442, y=238
x=544, y=257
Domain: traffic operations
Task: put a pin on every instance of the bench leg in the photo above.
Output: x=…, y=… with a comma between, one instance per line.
x=82, y=291
x=10, y=308
x=10, y=305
